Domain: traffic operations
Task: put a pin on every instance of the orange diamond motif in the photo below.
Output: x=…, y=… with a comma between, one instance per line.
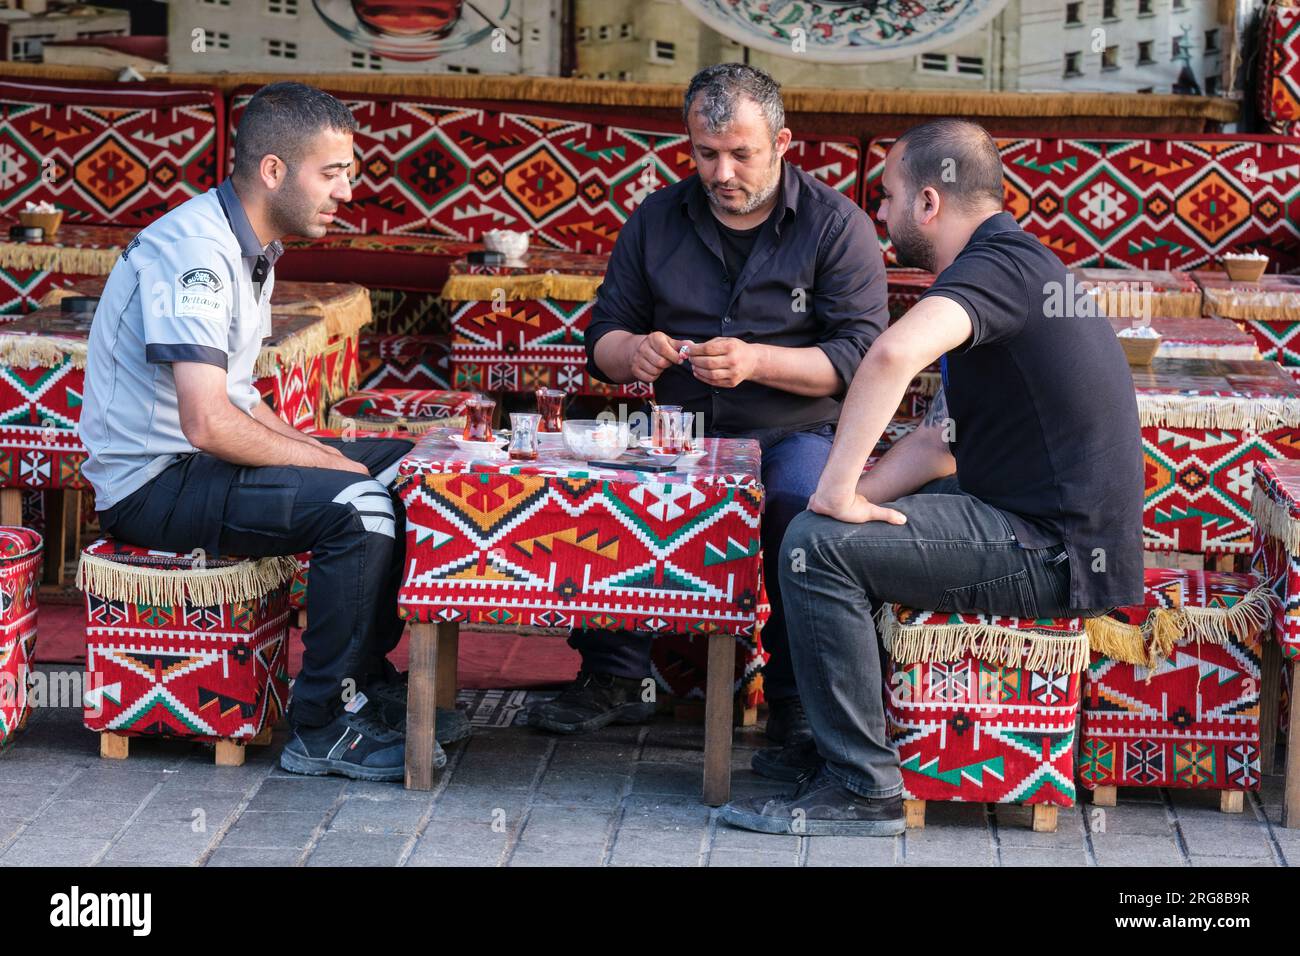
x=540, y=183
x=110, y=174
x=1213, y=207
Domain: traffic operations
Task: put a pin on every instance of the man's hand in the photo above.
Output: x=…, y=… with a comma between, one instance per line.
x=724, y=362
x=341, y=462
x=852, y=508
x=654, y=353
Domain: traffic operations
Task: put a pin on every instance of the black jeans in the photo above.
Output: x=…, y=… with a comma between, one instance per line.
x=790, y=471
x=955, y=553
x=354, y=528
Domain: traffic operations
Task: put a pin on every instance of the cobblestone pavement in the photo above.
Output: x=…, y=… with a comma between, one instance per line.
x=627, y=796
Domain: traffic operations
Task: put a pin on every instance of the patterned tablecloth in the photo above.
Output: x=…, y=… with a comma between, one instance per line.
x=1205, y=423
x=1197, y=337
x=1276, y=507
x=517, y=327
x=42, y=377
x=1169, y=293
x=559, y=544
x=1272, y=297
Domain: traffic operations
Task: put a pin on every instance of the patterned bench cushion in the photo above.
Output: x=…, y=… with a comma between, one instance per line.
x=198, y=652
x=413, y=411
x=20, y=563
x=1171, y=697
x=405, y=361
x=1149, y=202
x=108, y=153
x=1279, y=68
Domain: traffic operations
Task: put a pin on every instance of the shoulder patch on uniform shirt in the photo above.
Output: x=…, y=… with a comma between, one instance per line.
x=199, y=296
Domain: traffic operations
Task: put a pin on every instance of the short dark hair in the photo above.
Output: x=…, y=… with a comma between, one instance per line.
x=281, y=118
x=957, y=158
x=719, y=89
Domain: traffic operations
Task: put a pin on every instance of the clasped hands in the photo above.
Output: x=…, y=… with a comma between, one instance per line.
x=720, y=362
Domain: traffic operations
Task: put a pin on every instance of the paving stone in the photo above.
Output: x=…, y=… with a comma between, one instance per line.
x=303, y=793
x=85, y=819
x=37, y=850
x=1043, y=856
x=642, y=811
x=115, y=784
x=393, y=816
x=1126, y=849
x=659, y=847
x=558, y=854
x=173, y=843
x=727, y=837
x=753, y=858
x=1212, y=833
x=666, y=778
x=343, y=848
x=564, y=824
x=1236, y=862
x=494, y=771
x=1129, y=819
x=453, y=838
x=581, y=789
x=279, y=828
x=253, y=856
x=853, y=851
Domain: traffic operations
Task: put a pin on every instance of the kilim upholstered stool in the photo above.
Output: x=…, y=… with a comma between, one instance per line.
x=982, y=708
x=178, y=646
x=20, y=565
x=1171, y=697
x=412, y=411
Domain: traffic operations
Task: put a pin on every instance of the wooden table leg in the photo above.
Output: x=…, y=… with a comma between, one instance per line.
x=719, y=679
x=1270, y=690
x=11, y=507
x=421, y=707
x=56, y=534
x=1291, y=791
x=448, y=649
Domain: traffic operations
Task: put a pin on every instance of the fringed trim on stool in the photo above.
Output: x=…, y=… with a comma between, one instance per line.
x=243, y=581
x=1208, y=411
x=1011, y=647
x=481, y=288
x=74, y=259
x=1113, y=298
x=1276, y=521
x=1243, y=620
x=292, y=349
x=41, y=351
x=344, y=315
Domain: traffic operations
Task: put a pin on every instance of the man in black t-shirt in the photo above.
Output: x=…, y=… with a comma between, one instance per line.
x=1020, y=494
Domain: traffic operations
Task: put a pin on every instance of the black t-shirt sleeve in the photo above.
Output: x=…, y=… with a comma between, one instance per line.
x=624, y=300
x=991, y=288
x=851, y=297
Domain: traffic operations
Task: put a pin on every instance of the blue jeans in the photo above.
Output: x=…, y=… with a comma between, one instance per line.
x=790, y=471
x=955, y=553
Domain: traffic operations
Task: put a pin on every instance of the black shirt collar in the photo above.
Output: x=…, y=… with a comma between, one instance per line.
x=696, y=204
x=249, y=246
x=998, y=222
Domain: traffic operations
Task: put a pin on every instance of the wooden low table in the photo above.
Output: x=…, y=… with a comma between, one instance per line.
x=557, y=544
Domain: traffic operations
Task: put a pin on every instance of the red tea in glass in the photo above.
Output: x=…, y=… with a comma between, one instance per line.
x=434, y=18
x=550, y=405
x=667, y=435
x=478, y=419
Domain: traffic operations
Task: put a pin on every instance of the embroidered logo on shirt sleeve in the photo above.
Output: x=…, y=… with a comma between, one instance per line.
x=199, y=295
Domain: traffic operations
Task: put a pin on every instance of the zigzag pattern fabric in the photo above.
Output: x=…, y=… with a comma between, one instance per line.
x=1279, y=66
x=182, y=669
x=107, y=154
x=1150, y=203
x=20, y=563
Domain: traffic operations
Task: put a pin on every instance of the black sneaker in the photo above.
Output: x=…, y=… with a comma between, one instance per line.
x=357, y=744
x=450, y=726
x=786, y=722
x=591, y=702
x=787, y=763
x=819, y=806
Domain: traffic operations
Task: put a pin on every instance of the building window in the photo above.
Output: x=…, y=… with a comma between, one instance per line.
x=216, y=39
x=534, y=35
x=366, y=61
x=1110, y=58
x=30, y=48
x=1072, y=61
x=1211, y=86
x=282, y=8
x=602, y=32
x=625, y=31
x=1211, y=41
x=457, y=68
x=91, y=34
x=1108, y=10
x=1146, y=89
x=216, y=3
x=1144, y=53
x=970, y=65
x=283, y=49
x=624, y=75
x=584, y=34
x=1180, y=4
x=933, y=62
x=1144, y=8
x=1176, y=45
x=602, y=76
x=661, y=51
x=1074, y=13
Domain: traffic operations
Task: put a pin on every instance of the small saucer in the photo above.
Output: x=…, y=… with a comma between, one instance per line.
x=481, y=449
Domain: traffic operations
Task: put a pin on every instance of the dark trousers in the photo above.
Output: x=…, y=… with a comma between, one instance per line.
x=790, y=470
x=955, y=553
x=353, y=526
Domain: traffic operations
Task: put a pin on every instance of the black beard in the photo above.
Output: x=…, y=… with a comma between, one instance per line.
x=911, y=248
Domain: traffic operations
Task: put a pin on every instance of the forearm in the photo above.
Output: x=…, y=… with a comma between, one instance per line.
x=266, y=416
x=914, y=461
x=800, y=371
x=231, y=435
x=613, y=354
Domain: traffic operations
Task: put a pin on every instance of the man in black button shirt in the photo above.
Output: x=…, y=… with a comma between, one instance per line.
x=775, y=285
x=1020, y=495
